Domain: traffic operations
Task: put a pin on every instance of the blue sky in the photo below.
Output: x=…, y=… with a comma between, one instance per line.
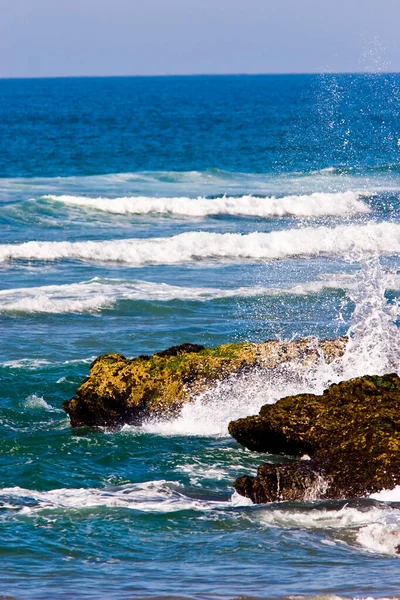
x=41, y=38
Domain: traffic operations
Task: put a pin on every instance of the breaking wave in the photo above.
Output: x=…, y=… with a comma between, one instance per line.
x=373, y=348
x=372, y=528
x=313, y=205
x=380, y=238
x=100, y=294
x=151, y=496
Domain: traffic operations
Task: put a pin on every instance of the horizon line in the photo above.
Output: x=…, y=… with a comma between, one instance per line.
x=167, y=75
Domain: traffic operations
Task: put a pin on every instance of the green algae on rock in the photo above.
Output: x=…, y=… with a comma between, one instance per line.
x=351, y=432
x=119, y=390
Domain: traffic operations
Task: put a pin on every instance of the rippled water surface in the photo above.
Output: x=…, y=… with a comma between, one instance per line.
x=140, y=213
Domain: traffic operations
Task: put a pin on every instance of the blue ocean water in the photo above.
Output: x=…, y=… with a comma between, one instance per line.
x=138, y=213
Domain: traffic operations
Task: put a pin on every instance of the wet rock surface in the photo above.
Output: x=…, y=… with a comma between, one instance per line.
x=119, y=390
x=293, y=481
x=351, y=432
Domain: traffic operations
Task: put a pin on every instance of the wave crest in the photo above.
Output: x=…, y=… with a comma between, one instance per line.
x=312, y=205
x=99, y=294
x=342, y=241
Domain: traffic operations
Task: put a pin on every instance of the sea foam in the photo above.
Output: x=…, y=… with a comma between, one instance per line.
x=381, y=238
x=151, y=496
x=373, y=348
x=101, y=294
x=312, y=205
x=371, y=528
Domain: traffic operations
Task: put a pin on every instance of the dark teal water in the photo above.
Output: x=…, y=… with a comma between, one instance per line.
x=139, y=213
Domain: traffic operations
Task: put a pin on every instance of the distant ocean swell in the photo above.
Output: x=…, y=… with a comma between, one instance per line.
x=213, y=176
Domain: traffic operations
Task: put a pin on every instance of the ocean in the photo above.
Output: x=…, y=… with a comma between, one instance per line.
x=140, y=213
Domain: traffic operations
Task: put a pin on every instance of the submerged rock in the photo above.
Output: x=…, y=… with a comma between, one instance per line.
x=351, y=432
x=119, y=390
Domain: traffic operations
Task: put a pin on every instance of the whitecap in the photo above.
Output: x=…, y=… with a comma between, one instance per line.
x=97, y=295
x=342, y=241
x=381, y=538
x=35, y=402
x=151, y=496
x=370, y=529
x=317, y=204
x=392, y=495
x=31, y=364
x=373, y=348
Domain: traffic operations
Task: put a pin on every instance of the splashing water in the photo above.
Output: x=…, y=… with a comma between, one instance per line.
x=374, y=343
x=373, y=348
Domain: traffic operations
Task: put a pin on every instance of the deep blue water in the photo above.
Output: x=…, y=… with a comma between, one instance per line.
x=252, y=124
x=137, y=213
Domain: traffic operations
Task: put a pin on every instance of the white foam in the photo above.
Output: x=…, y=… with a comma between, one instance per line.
x=51, y=299
x=392, y=495
x=238, y=500
x=374, y=340
x=39, y=403
x=206, y=184
x=381, y=538
x=327, y=170
x=312, y=205
x=381, y=238
x=315, y=518
x=373, y=348
x=98, y=294
x=373, y=529
x=31, y=364
x=210, y=412
x=153, y=496
x=198, y=472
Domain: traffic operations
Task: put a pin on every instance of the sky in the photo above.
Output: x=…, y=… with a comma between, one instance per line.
x=50, y=38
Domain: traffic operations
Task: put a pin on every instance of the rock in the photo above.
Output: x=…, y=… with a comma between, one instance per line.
x=351, y=432
x=293, y=481
x=259, y=435
x=119, y=390
x=181, y=349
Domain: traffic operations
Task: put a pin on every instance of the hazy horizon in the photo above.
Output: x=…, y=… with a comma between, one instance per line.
x=89, y=38
x=172, y=75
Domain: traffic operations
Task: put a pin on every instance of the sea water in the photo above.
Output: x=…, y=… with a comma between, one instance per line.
x=138, y=213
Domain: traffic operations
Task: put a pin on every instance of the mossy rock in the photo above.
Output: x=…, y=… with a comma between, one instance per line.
x=351, y=432
x=119, y=390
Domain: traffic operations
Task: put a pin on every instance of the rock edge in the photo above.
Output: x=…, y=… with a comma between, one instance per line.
x=119, y=390
x=351, y=434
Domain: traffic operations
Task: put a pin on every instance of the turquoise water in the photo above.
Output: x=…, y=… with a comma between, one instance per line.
x=139, y=213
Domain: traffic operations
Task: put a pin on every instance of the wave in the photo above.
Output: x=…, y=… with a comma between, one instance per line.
x=212, y=175
x=370, y=528
x=38, y=403
x=152, y=496
x=100, y=294
x=380, y=538
x=375, y=529
x=373, y=348
x=204, y=184
x=36, y=364
x=313, y=205
x=388, y=495
x=341, y=241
